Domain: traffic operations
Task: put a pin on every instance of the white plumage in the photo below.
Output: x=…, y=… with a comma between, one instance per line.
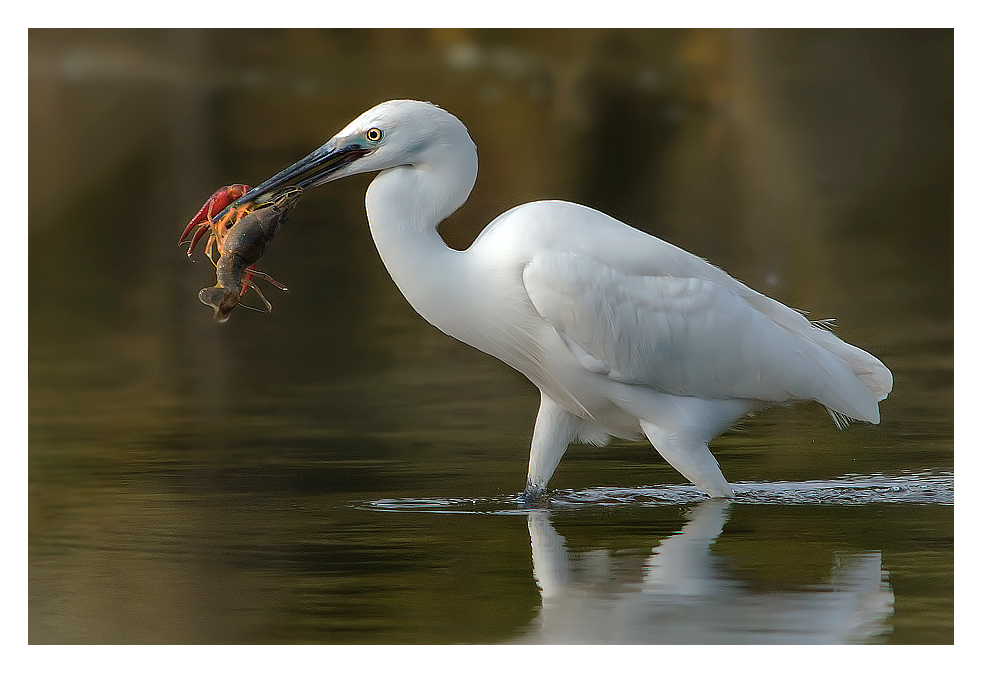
x=624, y=334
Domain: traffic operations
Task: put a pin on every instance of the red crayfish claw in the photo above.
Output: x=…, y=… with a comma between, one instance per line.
x=204, y=218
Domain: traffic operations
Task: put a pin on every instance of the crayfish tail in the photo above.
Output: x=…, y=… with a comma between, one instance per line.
x=222, y=300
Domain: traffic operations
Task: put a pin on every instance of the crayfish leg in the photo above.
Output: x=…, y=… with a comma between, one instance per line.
x=209, y=247
x=246, y=284
x=266, y=277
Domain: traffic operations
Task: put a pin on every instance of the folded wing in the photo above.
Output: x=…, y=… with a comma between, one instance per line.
x=698, y=332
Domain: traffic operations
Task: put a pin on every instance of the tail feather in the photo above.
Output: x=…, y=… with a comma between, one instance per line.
x=842, y=391
x=853, y=381
x=866, y=367
x=841, y=420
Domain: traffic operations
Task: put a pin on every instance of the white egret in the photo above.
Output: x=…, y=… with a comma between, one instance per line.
x=624, y=334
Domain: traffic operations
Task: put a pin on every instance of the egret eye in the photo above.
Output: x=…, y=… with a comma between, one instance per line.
x=373, y=135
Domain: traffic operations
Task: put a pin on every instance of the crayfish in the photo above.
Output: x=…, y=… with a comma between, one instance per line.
x=241, y=234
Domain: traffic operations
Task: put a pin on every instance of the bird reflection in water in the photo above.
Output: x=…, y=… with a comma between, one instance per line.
x=688, y=596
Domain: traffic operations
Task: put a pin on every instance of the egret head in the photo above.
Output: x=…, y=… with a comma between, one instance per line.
x=392, y=134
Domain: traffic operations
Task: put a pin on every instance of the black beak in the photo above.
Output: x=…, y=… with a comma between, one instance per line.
x=309, y=171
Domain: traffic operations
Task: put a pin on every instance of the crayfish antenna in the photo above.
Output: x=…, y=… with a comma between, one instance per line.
x=246, y=306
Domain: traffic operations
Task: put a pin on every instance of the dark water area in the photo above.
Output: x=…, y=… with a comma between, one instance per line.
x=341, y=472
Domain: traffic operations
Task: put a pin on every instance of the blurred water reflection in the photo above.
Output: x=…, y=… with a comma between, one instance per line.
x=193, y=483
x=686, y=595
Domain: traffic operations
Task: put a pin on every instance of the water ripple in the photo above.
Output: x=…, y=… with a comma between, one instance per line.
x=915, y=488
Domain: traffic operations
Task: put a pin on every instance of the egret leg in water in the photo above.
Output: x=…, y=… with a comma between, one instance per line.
x=624, y=334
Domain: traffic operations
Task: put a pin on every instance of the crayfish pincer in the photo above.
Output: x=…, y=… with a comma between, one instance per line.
x=242, y=233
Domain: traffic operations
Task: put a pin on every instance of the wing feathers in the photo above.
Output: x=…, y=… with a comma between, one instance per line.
x=705, y=337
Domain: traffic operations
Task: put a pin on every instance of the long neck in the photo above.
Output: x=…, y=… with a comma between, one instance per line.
x=404, y=206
